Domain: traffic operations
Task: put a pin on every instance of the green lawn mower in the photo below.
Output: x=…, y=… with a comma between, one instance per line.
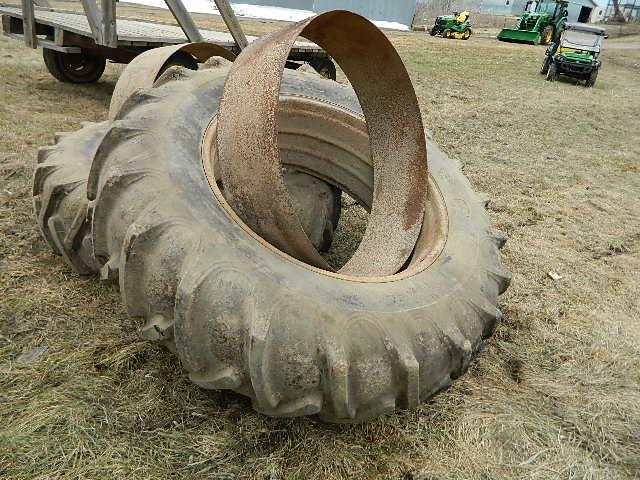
x=575, y=54
x=539, y=25
x=453, y=26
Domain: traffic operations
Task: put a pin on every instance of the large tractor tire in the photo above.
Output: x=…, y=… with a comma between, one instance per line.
x=295, y=339
x=137, y=199
x=547, y=35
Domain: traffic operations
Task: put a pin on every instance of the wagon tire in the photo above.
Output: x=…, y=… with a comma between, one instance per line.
x=73, y=67
x=246, y=317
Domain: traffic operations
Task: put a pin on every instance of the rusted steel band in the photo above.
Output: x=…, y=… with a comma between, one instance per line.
x=247, y=145
x=144, y=69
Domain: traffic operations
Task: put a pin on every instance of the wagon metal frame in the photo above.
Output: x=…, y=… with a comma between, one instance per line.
x=99, y=33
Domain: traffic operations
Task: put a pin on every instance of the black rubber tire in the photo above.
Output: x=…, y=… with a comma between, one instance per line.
x=249, y=319
x=591, y=81
x=545, y=65
x=433, y=31
x=552, y=74
x=58, y=64
x=325, y=67
x=467, y=30
x=446, y=33
x=60, y=195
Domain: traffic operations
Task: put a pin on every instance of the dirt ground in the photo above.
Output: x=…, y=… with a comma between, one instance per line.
x=555, y=395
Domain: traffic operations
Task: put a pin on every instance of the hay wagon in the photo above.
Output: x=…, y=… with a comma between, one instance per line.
x=76, y=46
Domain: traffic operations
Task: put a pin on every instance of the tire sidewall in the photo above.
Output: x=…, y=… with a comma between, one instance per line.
x=458, y=267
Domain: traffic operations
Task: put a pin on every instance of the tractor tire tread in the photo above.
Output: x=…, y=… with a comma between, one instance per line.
x=59, y=194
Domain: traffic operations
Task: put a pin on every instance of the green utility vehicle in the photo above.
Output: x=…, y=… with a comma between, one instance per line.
x=453, y=26
x=539, y=25
x=575, y=54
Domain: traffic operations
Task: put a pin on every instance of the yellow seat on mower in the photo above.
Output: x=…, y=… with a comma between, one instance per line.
x=463, y=17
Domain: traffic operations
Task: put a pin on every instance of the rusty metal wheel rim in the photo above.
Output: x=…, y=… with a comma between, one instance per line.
x=248, y=152
x=433, y=235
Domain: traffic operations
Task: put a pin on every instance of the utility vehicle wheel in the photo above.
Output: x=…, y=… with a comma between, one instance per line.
x=325, y=67
x=591, y=81
x=446, y=33
x=552, y=74
x=295, y=339
x=547, y=35
x=466, y=34
x=73, y=67
x=545, y=65
x=433, y=32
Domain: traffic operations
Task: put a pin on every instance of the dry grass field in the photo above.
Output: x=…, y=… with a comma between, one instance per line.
x=555, y=395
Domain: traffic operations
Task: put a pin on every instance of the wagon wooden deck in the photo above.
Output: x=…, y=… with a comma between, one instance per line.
x=131, y=33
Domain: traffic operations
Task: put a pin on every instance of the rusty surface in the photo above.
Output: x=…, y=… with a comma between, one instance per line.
x=146, y=67
x=249, y=158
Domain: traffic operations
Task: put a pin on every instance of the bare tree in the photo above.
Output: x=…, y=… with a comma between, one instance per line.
x=617, y=13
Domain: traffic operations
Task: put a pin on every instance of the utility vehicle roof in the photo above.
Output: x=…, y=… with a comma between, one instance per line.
x=582, y=40
x=583, y=27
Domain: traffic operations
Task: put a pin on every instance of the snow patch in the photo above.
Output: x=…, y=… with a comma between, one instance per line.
x=390, y=25
x=256, y=11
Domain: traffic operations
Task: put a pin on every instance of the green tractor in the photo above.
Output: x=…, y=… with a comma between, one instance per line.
x=453, y=26
x=539, y=24
x=575, y=54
